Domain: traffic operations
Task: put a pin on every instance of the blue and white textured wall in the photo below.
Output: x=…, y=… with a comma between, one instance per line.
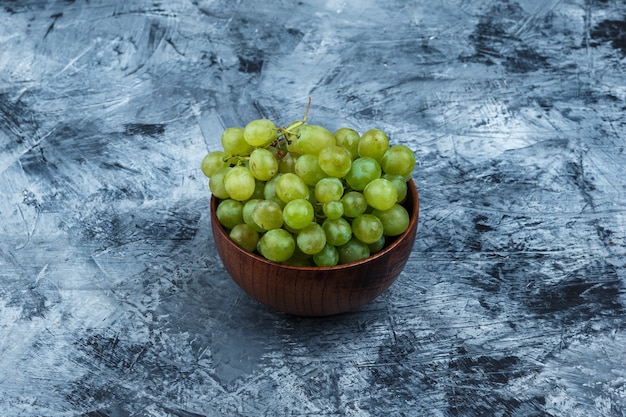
x=113, y=301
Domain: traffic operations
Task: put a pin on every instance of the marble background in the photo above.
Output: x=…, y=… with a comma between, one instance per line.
x=113, y=301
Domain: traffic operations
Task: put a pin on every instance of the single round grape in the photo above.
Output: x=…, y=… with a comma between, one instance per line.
x=259, y=132
x=268, y=215
x=291, y=187
x=312, y=197
x=363, y=171
x=313, y=138
x=299, y=258
x=335, y=161
x=277, y=245
x=353, y=250
x=214, y=161
x=367, y=228
x=308, y=168
x=248, y=209
x=398, y=160
x=259, y=189
x=245, y=236
x=378, y=245
x=311, y=239
x=338, y=231
x=216, y=183
x=328, y=189
x=234, y=143
x=328, y=256
x=296, y=260
x=298, y=213
x=354, y=203
x=263, y=164
x=230, y=213
x=333, y=209
x=239, y=183
x=289, y=229
x=373, y=144
x=269, y=191
x=394, y=220
x=400, y=183
x=381, y=194
x=349, y=139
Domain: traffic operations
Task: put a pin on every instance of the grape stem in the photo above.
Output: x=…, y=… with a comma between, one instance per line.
x=299, y=123
x=282, y=131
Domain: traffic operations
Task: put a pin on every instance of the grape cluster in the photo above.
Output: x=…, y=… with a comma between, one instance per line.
x=302, y=195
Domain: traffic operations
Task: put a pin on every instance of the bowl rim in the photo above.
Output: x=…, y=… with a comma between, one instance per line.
x=412, y=193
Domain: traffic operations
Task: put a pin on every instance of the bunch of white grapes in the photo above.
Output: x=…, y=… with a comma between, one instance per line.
x=302, y=195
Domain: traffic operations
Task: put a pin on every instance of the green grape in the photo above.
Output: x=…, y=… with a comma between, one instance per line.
x=245, y=236
x=398, y=160
x=216, y=183
x=214, y=161
x=292, y=146
x=229, y=213
x=333, y=209
x=263, y=164
x=287, y=163
x=354, y=203
x=335, y=161
x=373, y=144
x=259, y=189
x=328, y=189
x=239, y=183
x=363, y=171
x=234, y=143
x=394, y=220
x=269, y=191
x=313, y=138
x=289, y=229
x=273, y=149
x=277, y=245
x=308, y=168
x=311, y=239
x=299, y=258
x=268, y=215
x=312, y=197
x=259, y=132
x=353, y=250
x=298, y=213
x=367, y=228
x=349, y=139
x=291, y=187
x=400, y=183
x=381, y=194
x=378, y=245
x=338, y=231
x=328, y=256
x=248, y=209
x=296, y=260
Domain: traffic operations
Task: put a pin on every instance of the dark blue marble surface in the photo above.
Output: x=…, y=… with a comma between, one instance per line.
x=113, y=301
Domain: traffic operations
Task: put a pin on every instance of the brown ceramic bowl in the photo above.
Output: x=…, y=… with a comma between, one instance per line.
x=317, y=291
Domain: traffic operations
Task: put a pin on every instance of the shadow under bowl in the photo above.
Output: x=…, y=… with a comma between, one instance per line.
x=313, y=291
